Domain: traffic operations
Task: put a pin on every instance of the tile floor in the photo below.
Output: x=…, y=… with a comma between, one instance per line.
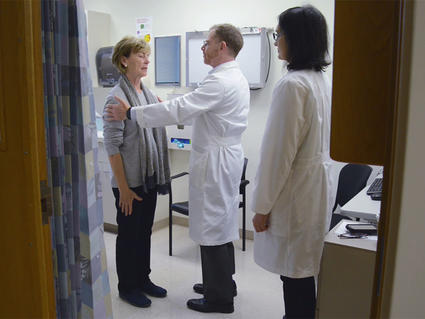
x=259, y=292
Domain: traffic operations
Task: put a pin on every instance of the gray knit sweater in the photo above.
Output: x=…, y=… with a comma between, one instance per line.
x=124, y=137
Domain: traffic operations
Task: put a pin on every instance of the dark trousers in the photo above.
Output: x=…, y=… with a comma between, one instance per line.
x=133, y=246
x=299, y=295
x=218, y=266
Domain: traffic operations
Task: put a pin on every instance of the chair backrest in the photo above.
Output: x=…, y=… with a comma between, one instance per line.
x=245, y=163
x=352, y=179
x=244, y=182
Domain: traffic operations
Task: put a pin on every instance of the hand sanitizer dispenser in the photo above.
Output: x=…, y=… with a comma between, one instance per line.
x=179, y=136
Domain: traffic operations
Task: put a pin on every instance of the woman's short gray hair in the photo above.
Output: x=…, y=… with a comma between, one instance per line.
x=125, y=47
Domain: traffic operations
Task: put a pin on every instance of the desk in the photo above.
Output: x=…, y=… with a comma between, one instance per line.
x=362, y=206
x=345, y=281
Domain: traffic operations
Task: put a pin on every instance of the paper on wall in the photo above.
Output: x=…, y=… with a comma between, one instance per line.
x=144, y=28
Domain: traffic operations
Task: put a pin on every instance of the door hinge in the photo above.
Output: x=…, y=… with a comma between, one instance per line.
x=46, y=202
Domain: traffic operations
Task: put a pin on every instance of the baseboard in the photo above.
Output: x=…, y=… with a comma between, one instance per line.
x=177, y=220
x=159, y=224
x=248, y=233
x=110, y=228
x=180, y=221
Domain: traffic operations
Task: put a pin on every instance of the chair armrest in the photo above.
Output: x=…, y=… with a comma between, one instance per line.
x=179, y=175
x=243, y=184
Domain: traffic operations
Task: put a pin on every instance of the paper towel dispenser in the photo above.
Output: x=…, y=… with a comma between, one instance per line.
x=107, y=73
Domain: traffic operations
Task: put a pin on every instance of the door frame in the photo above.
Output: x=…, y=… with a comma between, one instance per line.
x=394, y=169
x=26, y=271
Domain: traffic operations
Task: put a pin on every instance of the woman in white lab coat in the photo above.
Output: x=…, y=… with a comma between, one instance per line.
x=292, y=191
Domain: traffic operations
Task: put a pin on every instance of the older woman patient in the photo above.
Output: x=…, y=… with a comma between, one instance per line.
x=140, y=167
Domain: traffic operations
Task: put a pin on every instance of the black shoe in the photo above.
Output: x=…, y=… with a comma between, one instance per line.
x=153, y=290
x=136, y=298
x=202, y=305
x=199, y=288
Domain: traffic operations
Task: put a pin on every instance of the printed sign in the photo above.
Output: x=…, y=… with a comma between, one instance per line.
x=144, y=28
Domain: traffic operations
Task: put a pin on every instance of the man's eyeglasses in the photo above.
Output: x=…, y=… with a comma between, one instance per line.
x=204, y=44
x=276, y=36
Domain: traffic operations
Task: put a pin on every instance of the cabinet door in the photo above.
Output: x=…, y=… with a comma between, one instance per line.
x=345, y=281
x=364, y=79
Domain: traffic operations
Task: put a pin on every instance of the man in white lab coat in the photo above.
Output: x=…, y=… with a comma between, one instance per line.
x=218, y=110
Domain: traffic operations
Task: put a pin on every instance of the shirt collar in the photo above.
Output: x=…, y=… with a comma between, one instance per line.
x=225, y=65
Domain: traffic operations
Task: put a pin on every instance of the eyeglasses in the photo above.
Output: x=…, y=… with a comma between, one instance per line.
x=276, y=36
x=204, y=43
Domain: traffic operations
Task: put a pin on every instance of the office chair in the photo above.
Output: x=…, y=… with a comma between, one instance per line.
x=352, y=179
x=183, y=207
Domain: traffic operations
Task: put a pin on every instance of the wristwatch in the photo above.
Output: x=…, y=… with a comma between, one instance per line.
x=129, y=113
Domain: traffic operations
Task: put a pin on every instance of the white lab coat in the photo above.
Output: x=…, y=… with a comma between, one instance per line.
x=293, y=180
x=218, y=111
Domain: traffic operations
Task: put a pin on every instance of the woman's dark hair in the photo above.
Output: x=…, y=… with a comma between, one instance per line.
x=306, y=35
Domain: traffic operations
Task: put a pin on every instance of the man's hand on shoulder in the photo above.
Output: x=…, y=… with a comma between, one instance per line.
x=117, y=112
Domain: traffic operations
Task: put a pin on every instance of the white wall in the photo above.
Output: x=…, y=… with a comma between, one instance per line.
x=172, y=17
x=409, y=277
x=97, y=40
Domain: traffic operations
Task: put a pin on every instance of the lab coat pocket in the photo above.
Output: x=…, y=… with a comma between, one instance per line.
x=198, y=168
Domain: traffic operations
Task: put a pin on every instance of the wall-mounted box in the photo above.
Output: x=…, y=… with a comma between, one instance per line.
x=107, y=74
x=179, y=136
x=253, y=59
x=167, y=61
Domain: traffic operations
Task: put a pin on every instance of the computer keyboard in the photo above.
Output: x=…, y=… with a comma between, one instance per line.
x=375, y=189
